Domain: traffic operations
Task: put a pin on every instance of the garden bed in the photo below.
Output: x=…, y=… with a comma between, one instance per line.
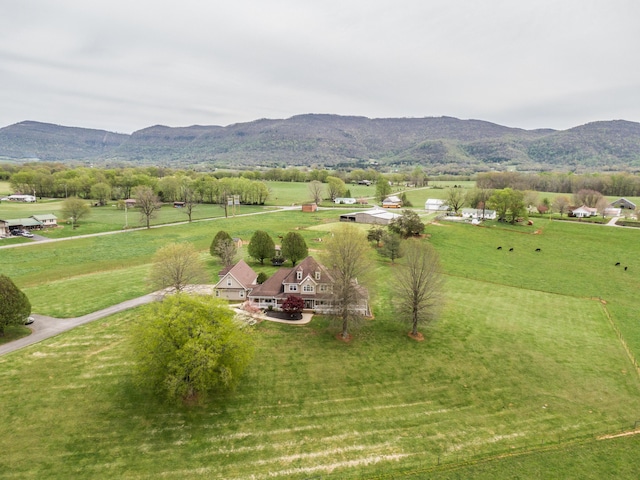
x=283, y=315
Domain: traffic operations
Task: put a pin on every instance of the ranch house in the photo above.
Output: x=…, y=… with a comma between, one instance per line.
x=392, y=201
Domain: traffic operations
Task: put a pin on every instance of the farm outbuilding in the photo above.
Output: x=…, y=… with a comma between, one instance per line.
x=623, y=203
x=376, y=215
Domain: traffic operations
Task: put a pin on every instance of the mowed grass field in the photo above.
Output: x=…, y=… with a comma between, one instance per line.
x=524, y=367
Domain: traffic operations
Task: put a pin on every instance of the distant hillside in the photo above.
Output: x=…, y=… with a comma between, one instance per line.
x=442, y=144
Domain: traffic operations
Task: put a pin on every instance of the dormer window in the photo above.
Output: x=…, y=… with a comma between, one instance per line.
x=299, y=274
x=317, y=274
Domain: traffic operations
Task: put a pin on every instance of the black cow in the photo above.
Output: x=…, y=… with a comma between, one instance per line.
x=538, y=250
x=617, y=264
x=511, y=249
x=625, y=269
x=499, y=248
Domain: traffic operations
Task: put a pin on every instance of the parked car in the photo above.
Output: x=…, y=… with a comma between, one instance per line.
x=27, y=234
x=29, y=320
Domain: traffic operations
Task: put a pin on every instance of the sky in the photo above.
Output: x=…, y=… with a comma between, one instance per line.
x=126, y=65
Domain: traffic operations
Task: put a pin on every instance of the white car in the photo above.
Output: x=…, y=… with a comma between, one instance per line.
x=29, y=320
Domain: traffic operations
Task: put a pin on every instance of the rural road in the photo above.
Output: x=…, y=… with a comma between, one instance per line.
x=45, y=327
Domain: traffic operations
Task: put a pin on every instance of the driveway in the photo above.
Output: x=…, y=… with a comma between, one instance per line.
x=45, y=327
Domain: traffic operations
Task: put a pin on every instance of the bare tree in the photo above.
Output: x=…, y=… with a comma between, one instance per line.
x=561, y=203
x=177, y=265
x=189, y=198
x=148, y=203
x=455, y=199
x=587, y=197
x=315, y=188
x=418, y=285
x=346, y=256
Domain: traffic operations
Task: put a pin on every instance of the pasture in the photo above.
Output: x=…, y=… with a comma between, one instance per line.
x=527, y=361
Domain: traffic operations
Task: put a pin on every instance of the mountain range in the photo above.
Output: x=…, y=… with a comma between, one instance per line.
x=439, y=144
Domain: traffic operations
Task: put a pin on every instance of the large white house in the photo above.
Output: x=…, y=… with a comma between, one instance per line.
x=435, y=205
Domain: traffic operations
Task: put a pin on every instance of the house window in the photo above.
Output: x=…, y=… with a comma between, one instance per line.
x=318, y=275
x=293, y=287
x=307, y=288
x=241, y=294
x=228, y=282
x=217, y=293
x=299, y=275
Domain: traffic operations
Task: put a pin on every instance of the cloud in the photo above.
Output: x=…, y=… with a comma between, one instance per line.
x=127, y=65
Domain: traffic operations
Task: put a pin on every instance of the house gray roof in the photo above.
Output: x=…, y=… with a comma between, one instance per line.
x=45, y=216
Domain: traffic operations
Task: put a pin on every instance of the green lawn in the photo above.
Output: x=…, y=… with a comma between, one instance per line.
x=523, y=367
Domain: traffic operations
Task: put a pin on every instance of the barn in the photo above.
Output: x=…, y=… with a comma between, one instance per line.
x=375, y=215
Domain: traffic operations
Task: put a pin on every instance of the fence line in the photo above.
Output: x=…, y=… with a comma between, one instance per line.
x=623, y=342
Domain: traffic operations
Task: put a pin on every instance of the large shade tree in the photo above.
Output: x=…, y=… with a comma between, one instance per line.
x=417, y=285
x=189, y=347
x=14, y=304
x=407, y=225
x=223, y=247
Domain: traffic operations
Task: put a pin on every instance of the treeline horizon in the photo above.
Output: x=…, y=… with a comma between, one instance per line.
x=58, y=180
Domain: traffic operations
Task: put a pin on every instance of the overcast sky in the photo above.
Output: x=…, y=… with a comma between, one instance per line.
x=126, y=65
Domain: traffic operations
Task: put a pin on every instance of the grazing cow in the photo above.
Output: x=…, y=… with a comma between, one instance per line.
x=617, y=264
x=538, y=250
x=625, y=269
x=499, y=248
x=511, y=249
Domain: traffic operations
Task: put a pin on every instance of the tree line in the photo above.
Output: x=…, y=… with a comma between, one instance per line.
x=612, y=184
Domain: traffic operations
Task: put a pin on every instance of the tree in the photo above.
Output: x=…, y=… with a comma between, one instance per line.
x=189, y=198
x=315, y=188
x=101, y=192
x=383, y=189
x=75, y=209
x=406, y=225
x=177, y=265
x=376, y=234
x=455, y=199
x=405, y=201
x=477, y=198
x=224, y=248
x=294, y=247
x=261, y=246
x=148, y=203
x=392, y=247
x=293, y=304
x=418, y=285
x=602, y=206
x=189, y=347
x=587, y=197
x=262, y=277
x=348, y=261
x=335, y=187
x=561, y=203
x=14, y=304
x=508, y=204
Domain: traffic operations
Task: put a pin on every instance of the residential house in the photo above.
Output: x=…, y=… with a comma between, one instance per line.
x=479, y=214
x=435, y=205
x=392, y=201
x=19, y=198
x=583, y=212
x=47, y=219
x=309, y=280
x=375, y=215
x=623, y=203
x=235, y=282
x=4, y=228
x=22, y=224
x=344, y=200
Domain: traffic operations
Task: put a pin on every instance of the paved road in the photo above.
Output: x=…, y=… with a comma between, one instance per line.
x=46, y=327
